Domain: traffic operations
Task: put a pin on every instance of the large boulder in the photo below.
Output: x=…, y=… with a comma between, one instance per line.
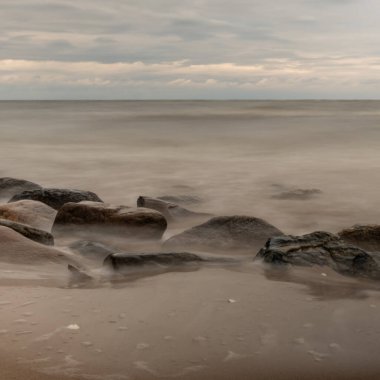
x=56, y=198
x=170, y=210
x=15, y=248
x=107, y=218
x=11, y=186
x=29, y=232
x=364, y=236
x=225, y=233
x=35, y=214
x=321, y=248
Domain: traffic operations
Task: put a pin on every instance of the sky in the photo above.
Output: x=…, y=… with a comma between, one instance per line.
x=189, y=49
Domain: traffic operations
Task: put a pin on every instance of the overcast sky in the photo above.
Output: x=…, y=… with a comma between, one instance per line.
x=147, y=49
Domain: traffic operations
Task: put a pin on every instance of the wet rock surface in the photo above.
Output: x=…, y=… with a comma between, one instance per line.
x=324, y=249
x=56, y=198
x=29, y=232
x=226, y=233
x=121, y=220
x=170, y=210
x=11, y=186
x=35, y=214
x=364, y=236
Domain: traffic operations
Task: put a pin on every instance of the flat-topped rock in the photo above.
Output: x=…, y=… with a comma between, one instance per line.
x=56, y=198
x=122, y=220
x=11, y=186
x=33, y=213
x=364, y=236
x=170, y=210
x=321, y=248
x=29, y=232
x=226, y=233
x=118, y=261
x=15, y=248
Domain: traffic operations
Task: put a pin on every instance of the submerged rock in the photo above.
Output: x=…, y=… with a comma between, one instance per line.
x=92, y=249
x=56, y=198
x=29, y=232
x=35, y=214
x=291, y=193
x=11, y=186
x=15, y=248
x=226, y=233
x=320, y=248
x=171, y=211
x=119, y=261
x=364, y=236
x=181, y=199
x=107, y=218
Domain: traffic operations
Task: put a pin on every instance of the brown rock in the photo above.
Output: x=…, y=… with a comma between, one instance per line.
x=107, y=218
x=35, y=214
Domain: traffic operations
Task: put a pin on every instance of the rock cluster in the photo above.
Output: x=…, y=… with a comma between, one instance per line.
x=323, y=249
x=34, y=215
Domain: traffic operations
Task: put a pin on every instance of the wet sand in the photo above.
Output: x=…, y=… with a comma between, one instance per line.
x=210, y=323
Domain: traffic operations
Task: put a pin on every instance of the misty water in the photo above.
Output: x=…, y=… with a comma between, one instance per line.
x=300, y=165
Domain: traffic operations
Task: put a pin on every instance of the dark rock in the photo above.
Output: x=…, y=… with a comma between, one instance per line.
x=181, y=199
x=171, y=211
x=33, y=213
x=120, y=220
x=119, y=261
x=29, y=232
x=364, y=236
x=226, y=233
x=56, y=198
x=320, y=248
x=92, y=249
x=11, y=186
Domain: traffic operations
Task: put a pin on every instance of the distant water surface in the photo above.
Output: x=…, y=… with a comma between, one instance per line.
x=259, y=158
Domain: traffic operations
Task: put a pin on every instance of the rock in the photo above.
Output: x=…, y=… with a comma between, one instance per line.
x=11, y=186
x=290, y=193
x=119, y=261
x=320, y=248
x=15, y=248
x=92, y=249
x=56, y=198
x=171, y=211
x=31, y=233
x=181, y=199
x=226, y=233
x=78, y=275
x=35, y=214
x=107, y=218
x=363, y=236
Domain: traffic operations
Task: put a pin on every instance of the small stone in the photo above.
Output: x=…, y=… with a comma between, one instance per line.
x=73, y=327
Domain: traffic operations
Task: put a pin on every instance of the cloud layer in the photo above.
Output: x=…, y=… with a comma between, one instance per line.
x=189, y=49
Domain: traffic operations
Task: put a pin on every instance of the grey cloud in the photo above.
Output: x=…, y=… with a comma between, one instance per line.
x=245, y=32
